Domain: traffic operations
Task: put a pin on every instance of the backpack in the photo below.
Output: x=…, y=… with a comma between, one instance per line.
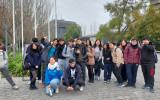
x=26, y=65
x=156, y=57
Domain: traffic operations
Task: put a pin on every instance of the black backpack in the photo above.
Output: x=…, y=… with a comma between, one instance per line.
x=26, y=65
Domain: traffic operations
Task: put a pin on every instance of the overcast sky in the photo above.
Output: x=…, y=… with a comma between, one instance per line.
x=89, y=14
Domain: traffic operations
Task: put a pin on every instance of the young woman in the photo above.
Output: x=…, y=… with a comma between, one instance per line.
x=90, y=64
x=53, y=76
x=123, y=73
x=34, y=59
x=98, y=59
x=107, y=63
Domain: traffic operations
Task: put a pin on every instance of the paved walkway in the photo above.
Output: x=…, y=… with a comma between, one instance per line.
x=96, y=91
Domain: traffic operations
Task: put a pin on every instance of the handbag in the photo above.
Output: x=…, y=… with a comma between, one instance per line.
x=26, y=65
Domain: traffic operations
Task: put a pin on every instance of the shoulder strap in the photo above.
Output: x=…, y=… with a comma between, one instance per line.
x=115, y=49
x=129, y=48
x=66, y=49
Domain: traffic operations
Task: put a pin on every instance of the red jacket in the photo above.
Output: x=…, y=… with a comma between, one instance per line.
x=132, y=55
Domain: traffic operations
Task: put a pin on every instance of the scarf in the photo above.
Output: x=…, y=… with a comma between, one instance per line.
x=134, y=46
x=52, y=66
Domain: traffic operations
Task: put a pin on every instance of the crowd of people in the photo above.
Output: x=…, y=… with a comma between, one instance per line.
x=67, y=62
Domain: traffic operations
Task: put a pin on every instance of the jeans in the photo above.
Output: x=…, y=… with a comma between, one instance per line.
x=54, y=85
x=131, y=73
x=6, y=74
x=107, y=71
x=62, y=64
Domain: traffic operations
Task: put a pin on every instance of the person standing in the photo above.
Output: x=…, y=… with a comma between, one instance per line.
x=118, y=61
x=108, y=64
x=132, y=59
x=4, y=70
x=90, y=64
x=58, y=54
x=49, y=51
x=34, y=59
x=123, y=73
x=148, y=63
x=68, y=53
x=98, y=59
x=81, y=56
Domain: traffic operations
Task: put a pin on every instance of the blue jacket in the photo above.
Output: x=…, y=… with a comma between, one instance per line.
x=52, y=74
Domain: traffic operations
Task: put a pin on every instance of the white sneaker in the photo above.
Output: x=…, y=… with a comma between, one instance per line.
x=40, y=81
x=29, y=83
x=98, y=78
x=57, y=91
x=81, y=88
x=15, y=87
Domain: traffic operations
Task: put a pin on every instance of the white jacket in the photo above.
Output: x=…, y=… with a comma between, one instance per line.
x=3, y=58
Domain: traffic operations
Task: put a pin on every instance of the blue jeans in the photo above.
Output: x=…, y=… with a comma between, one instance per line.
x=54, y=85
x=131, y=73
x=107, y=71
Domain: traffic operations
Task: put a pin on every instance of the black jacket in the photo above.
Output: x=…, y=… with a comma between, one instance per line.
x=59, y=50
x=84, y=51
x=107, y=54
x=77, y=75
x=147, y=54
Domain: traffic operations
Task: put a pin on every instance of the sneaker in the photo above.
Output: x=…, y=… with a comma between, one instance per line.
x=29, y=83
x=98, y=78
x=43, y=85
x=120, y=85
x=108, y=81
x=40, y=81
x=81, y=88
x=145, y=86
x=34, y=87
x=15, y=87
x=95, y=76
x=105, y=82
x=134, y=86
x=127, y=85
x=151, y=90
x=57, y=90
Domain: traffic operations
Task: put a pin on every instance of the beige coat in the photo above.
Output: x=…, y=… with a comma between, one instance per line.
x=117, y=56
x=91, y=56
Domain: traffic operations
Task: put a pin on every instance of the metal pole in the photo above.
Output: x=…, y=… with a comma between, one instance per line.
x=22, y=24
x=55, y=19
x=6, y=38
x=48, y=24
x=14, y=40
x=19, y=33
x=35, y=19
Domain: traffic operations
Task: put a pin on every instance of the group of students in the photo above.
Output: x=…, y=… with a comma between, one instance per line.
x=67, y=63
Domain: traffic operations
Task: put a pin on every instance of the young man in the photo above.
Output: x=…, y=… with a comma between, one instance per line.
x=49, y=51
x=132, y=59
x=81, y=57
x=73, y=76
x=40, y=48
x=118, y=61
x=58, y=54
x=68, y=53
x=148, y=63
x=4, y=70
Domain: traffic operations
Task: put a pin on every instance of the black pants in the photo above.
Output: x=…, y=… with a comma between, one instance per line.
x=148, y=74
x=71, y=82
x=123, y=73
x=45, y=64
x=83, y=68
x=39, y=72
x=98, y=67
x=117, y=72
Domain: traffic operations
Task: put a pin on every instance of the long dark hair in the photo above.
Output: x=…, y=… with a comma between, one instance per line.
x=32, y=51
x=100, y=45
x=108, y=50
x=90, y=43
